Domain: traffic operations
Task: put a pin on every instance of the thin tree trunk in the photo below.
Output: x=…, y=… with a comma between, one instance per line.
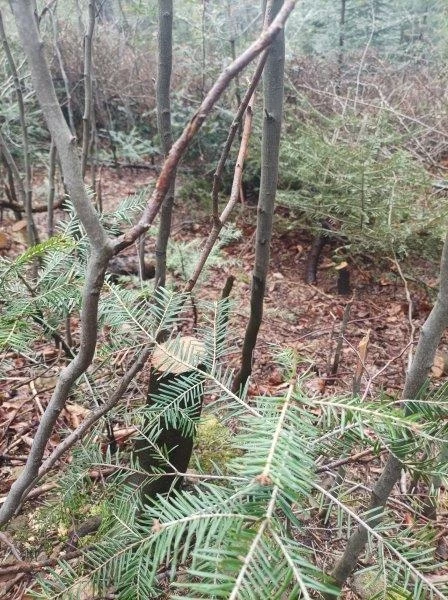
x=232, y=42
x=10, y=189
x=266, y=39
x=273, y=77
x=165, y=62
x=57, y=48
x=341, y=58
x=429, y=339
x=204, y=18
x=15, y=179
x=51, y=189
x=87, y=116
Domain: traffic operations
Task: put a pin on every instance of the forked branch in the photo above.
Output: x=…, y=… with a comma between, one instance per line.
x=102, y=248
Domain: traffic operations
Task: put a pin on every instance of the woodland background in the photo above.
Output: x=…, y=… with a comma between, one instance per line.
x=224, y=296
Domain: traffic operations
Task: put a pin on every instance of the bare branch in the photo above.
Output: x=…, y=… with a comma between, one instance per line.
x=234, y=195
x=217, y=177
x=33, y=237
x=181, y=145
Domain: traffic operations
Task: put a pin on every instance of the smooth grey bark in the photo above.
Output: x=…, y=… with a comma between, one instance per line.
x=273, y=79
x=32, y=234
x=87, y=116
x=165, y=61
x=51, y=189
x=57, y=48
x=428, y=342
x=102, y=248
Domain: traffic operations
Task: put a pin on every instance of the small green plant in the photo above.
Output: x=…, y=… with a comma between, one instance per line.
x=131, y=146
x=214, y=448
x=241, y=531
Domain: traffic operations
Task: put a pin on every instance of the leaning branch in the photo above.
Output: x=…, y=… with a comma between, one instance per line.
x=234, y=195
x=182, y=143
x=217, y=176
x=428, y=342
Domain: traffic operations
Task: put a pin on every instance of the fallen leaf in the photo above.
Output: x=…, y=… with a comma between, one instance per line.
x=5, y=241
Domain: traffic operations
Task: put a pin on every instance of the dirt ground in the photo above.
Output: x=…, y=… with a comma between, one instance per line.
x=299, y=316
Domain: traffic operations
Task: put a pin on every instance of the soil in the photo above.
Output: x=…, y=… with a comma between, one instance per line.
x=298, y=316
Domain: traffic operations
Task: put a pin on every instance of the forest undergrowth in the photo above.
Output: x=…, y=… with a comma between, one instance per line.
x=305, y=321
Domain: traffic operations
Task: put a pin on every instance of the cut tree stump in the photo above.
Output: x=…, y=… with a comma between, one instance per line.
x=170, y=451
x=128, y=265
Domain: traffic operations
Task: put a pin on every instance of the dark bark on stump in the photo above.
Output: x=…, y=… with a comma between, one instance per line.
x=313, y=258
x=344, y=288
x=171, y=442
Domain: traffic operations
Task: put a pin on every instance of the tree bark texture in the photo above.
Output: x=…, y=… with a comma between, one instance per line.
x=273, y=77
x=429, y=339
x=102, y=248
x=318, y=244
x=165, y=61
x=87, y=116
x=172, y=448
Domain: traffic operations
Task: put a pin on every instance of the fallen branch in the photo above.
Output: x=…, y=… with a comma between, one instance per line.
x=40, y=565
x=40, y=208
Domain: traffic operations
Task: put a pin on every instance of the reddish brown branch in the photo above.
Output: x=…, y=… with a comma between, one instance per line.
x=34, y=566
x=234, y=195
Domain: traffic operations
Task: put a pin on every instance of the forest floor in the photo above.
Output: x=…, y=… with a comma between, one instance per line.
x=298, y=316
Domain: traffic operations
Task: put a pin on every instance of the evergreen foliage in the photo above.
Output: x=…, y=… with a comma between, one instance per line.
x=355, y=172
x=243, y=534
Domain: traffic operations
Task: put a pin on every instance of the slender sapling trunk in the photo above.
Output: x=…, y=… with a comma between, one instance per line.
x=273, y=79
